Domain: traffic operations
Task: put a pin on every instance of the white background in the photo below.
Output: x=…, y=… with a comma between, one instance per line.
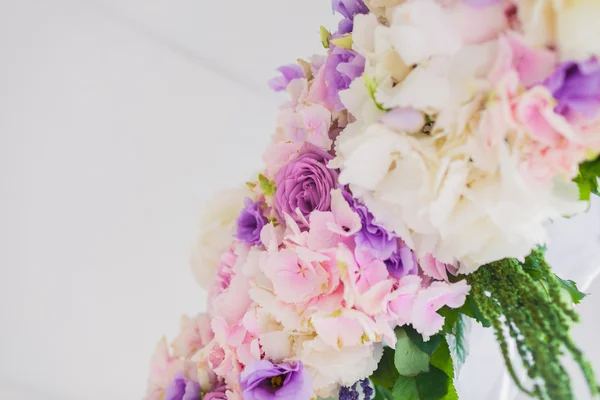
x=118, y=119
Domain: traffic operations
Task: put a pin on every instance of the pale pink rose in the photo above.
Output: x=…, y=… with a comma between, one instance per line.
x=425, y=318
x=297, y=275
x=195, y=333
x=436, y=269
x=402, y=299
x=514, y=55
x=308, y=124
x=534, y=65
x=535, y=111
x=163, y=367
x=279, y=154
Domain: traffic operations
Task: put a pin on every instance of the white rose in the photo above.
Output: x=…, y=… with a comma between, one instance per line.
x=217, y=229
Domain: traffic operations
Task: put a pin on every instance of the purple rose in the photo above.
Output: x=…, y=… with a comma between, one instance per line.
x=182, y=388
x=264, y=380
x=373, y=236
x=217, y=394
x=250, y=223
x=349, y=8
x=305, y=183
x=288, y=74
x=576, y=87
x=402, y=262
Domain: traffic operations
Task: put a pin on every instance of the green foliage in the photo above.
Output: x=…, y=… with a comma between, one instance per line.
x=458, y=341
x=427, y=347
x=442, y=360
x=267, y=185
x=587, y=180
x=524, y=301
x=432, y=385
x=386, y=374
x=409, y=359
x=571, y=288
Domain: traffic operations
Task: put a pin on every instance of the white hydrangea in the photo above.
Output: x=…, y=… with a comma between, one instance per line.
x=429, y=191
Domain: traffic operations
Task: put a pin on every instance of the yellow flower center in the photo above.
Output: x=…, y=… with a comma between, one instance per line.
x=277, y=381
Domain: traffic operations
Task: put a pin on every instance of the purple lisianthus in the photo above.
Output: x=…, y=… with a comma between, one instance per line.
x=264, y=380
x=381, y=243
x=576, y=87
x=349, y=8
x=341, y=68
x=250, y=222
x=217, y=394
x=305, y=184
x=182, y=388
x=402, y=262
x=288, y=74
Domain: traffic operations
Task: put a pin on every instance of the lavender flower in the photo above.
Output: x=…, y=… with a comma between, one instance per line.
x=264, y=380
x=288, y=74
x=349, y=8
x=402, y=262
x=250, y=223
x=341, y=68
x=182, y=388
x=372, y=236
x=576, y=87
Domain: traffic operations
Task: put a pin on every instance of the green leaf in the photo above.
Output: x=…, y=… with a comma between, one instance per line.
x=587, y=180
x=409, y=359
x=450, y=315
x=325, y=36
x=432, y=385
x=268, y=186
x=442, y=360
x=372, y=89
x=386, y=373
x=382, y=393
x=427, y=347
x=344, y=42
x=458, y=342
x=406, y=389
x=471, y=309
x=436, y=385
x=571, y=288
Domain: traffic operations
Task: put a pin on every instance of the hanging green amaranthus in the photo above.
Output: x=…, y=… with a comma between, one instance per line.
x=526, y=301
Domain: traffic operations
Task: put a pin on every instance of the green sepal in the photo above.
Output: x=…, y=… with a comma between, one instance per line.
x=372, y=89
x=267, y=185
x=325, y=36
x=344, y=42
x=587, y=179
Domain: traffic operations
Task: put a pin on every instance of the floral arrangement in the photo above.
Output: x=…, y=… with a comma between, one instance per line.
x=404, y=194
